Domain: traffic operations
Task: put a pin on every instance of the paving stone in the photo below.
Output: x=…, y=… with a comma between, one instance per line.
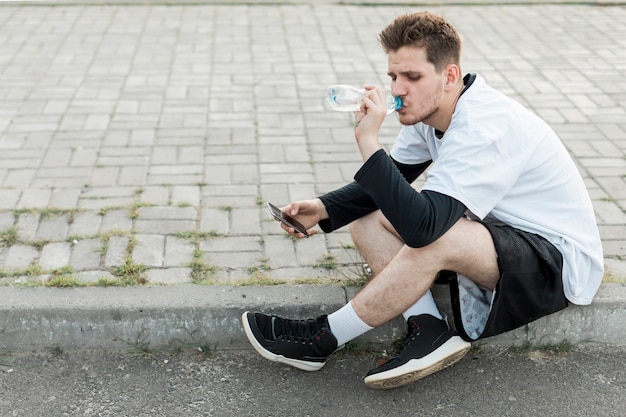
x=616, y=268
x=230, y=244
x=34, y=199
x=27, y=225
x=116, y=220
x=156, y=195
x=186, y=195
x=229, y=260
x=149, y=250
x=54, y=256
x=52, y=228
x=154, y=179
x=305, y=272
x=116, y=251
x=3, y=256
x=65, y=198
x=19, y=179
x=105, y=203
x=609, y=212
x=92, y=277
x=245, y=222
x=168, y=213
x=7, y=220
x=86, y=254
x=132, y=175
x=614, y=248
x=165, y=227
x=85, y=224
x=178, y=252
x=280, y=251
x=169, y=276
x=215, y=220
x=20, y=257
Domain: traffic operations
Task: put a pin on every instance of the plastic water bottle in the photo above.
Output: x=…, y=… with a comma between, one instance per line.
x=348, y=98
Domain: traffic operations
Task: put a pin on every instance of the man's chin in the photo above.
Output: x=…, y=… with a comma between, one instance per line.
x=407, y=120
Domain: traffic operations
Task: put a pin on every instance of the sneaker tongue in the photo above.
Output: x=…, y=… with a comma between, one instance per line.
x=266, y=326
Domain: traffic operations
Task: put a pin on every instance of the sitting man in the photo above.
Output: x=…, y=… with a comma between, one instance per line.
x=504, y=215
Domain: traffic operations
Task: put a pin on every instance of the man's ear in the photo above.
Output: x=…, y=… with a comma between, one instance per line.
x=452, y=73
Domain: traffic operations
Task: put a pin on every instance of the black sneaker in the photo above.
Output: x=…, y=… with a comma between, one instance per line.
x=305, y=344
x=428, y=347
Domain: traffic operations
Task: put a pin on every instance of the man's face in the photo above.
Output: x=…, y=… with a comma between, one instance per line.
x=418, y=83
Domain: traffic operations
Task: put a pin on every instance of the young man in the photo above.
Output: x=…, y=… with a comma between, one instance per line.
x=503, y=214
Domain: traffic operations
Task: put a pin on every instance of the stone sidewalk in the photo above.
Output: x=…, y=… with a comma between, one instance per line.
x=149, y=137
x=139, y=143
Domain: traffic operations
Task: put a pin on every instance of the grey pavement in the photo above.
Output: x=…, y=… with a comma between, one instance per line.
x=50, y=384
x=139, y=141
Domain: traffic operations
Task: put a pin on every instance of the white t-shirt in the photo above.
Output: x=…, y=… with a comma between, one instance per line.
x=500, y=160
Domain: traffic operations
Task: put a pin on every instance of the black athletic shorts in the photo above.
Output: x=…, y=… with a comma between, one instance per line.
x=530, y=286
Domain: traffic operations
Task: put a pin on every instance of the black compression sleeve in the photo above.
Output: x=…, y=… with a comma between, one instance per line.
x=351, y=202
x=344, y=205
x=419, y=218
x=411, y=172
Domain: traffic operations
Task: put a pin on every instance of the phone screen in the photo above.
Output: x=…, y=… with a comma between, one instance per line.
x=286, y=219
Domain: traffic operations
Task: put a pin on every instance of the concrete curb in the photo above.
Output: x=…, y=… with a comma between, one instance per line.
x=34, y=319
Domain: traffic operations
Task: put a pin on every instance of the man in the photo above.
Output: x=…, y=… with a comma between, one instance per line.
x=503, y=215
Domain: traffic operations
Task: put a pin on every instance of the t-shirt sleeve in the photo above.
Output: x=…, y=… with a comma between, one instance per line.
x=410, y=147
x=476, y=170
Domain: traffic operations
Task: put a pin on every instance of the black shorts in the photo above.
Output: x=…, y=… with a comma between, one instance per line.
x=530, y=286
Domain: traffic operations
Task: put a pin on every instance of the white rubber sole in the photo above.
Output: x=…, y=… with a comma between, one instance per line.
x=304, y=365
x=447, y=354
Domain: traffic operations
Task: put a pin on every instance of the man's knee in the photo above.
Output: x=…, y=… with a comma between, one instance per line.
x=361, y=226
x=374, y=222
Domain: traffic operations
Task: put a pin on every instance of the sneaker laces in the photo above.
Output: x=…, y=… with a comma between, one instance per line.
x=297, y=329
x=412, y=331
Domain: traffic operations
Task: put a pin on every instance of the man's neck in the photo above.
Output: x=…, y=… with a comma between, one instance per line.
x=443, y=118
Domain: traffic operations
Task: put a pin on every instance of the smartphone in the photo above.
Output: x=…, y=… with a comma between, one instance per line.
x=286, y=219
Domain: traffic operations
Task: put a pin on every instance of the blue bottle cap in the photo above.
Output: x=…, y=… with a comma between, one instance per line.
x=398, y=103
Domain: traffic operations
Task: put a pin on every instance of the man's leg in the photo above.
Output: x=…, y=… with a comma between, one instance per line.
x=466, y=248
x=403, y=277
x=378, y=243
x=376, y=240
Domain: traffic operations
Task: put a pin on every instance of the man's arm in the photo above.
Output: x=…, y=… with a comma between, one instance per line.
x=419, y=218
x=352, y=202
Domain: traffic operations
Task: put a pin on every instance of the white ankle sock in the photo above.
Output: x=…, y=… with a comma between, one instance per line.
x=425, y=305
x=346, y=324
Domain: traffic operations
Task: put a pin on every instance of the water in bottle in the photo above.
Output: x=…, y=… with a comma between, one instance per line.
x=348, y=98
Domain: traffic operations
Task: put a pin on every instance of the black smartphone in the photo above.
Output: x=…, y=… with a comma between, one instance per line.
x=286, y=219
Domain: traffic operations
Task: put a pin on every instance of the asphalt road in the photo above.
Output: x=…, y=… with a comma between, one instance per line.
x=584, y=382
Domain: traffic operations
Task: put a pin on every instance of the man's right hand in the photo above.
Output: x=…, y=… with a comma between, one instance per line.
x=307, y=212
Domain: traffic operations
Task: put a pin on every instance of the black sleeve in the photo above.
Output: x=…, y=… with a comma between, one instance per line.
x=419, y=218
x=411, y=172
x=351, y=202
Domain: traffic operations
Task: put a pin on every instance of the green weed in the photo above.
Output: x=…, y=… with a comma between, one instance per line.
x=9, y=236
x=131, y=273
x=64, y=281
x=328, y=261
x=201, y=272
x=140, y=347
